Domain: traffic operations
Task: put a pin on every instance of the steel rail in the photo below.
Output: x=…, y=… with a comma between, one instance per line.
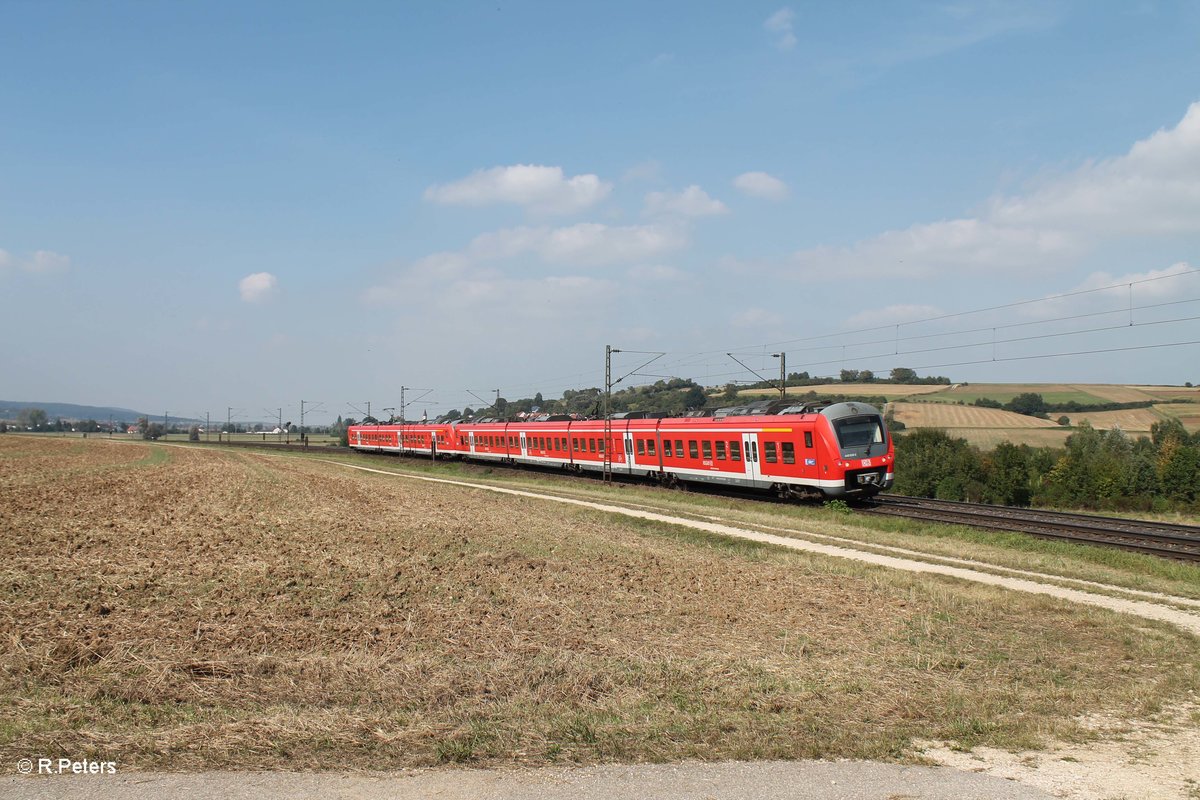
x=1161, y=539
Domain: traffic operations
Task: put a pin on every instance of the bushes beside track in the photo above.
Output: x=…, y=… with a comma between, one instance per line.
x=1102, y=470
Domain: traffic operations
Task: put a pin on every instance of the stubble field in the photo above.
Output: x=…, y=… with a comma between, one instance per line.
x=181, y=608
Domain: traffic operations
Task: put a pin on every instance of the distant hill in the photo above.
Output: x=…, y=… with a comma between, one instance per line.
x=9, y=409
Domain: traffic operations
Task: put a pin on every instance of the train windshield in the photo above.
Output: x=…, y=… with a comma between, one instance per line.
x=855, y=432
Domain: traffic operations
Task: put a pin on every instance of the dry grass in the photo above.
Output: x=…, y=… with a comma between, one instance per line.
x=231, y=609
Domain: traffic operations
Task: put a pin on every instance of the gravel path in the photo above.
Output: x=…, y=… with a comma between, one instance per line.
x=770, y=780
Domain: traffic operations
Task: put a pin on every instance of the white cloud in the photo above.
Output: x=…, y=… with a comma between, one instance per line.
x=38, y=262
x=1152, y=190
x=756, y=318
x=969, y=245
x=691, y=202
x=1103, y=291
x=47, y=261
x=584, y=244
x=760, y=184
x=892, y=315
x=656, y=272
x=257, y=287
x=534, y=187
x=780, y=24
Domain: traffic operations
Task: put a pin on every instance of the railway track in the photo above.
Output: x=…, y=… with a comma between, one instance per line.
x=1163, y=539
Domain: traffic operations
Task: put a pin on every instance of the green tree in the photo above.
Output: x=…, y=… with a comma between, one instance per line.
x=34, y=418
x=931, y=463
x=1029, y=403
x=1007, y=476
x=903, y=375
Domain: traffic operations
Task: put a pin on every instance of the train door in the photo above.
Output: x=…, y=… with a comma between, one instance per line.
x=524, y=446
x=750, y=454
x=628, y=451
x=471, y=443
x=433, y=445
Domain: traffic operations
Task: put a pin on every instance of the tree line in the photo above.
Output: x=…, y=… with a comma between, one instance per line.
x=1099, y=470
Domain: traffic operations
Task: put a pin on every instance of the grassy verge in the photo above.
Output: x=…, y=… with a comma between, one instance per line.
x=238, y=610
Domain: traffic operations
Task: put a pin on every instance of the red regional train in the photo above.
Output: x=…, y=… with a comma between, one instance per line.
x=841, y=450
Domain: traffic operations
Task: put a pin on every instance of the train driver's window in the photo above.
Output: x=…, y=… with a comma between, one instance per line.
x=808, y=438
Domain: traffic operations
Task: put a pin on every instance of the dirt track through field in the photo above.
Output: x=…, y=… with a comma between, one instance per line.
x=1188, y=621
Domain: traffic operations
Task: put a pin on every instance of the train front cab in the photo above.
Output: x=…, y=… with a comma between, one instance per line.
x=861, y=450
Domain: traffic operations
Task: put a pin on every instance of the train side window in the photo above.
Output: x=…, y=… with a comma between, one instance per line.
x=769, y=452
x=808, y=438
x=641, y=446
x=754, y=451
x=667, y=449
x=706, y=448
x=735, y=450
x=693, y=451
x=601, y=445
x=591, y=445
x=720, y=450
x=679, y=447
x=789, y=453
x=649, y=447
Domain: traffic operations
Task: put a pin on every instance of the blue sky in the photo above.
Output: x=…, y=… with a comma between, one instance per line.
x=206, y=205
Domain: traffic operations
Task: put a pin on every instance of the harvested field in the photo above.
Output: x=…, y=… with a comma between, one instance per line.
x=988, y=438
x=188, y=608
x=1187, y=413
x=1118, y=394
x=1133, y=420
x=1171, y=392
x=938, y=415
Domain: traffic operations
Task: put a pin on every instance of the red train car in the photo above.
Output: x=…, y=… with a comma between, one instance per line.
x=842, y=450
